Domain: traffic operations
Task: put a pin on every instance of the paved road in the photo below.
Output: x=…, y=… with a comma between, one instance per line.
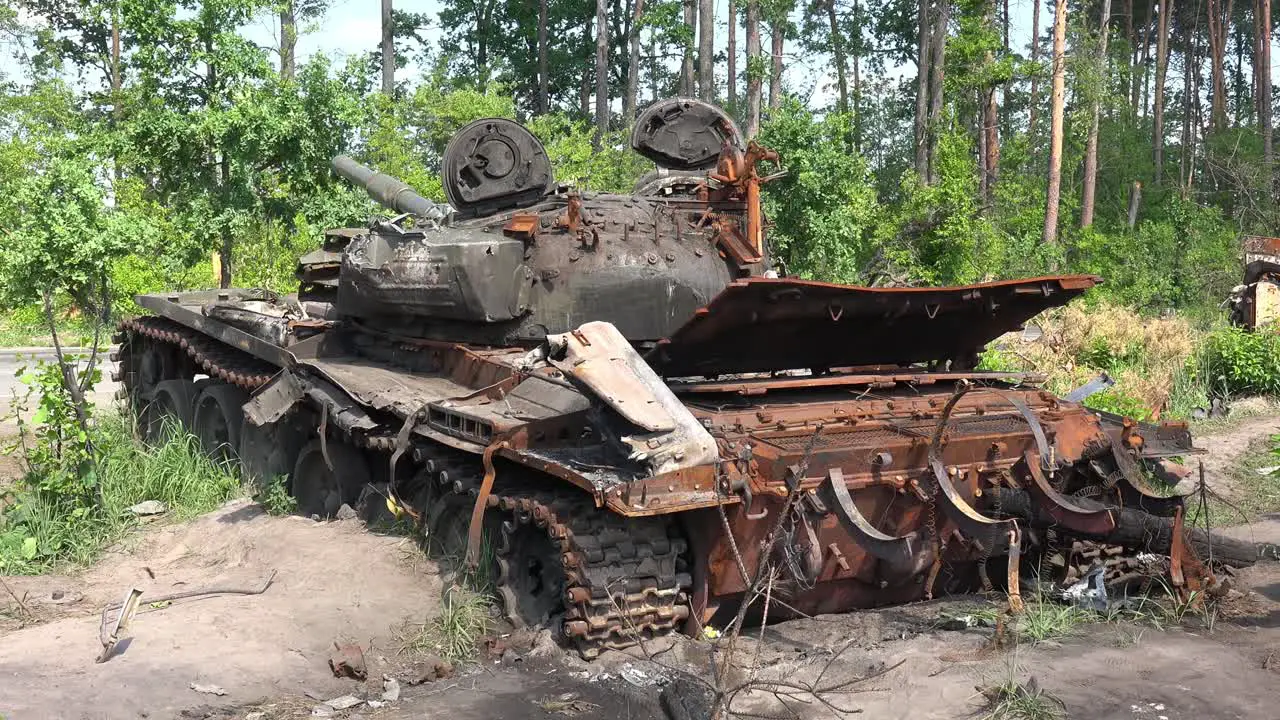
x=12, y=361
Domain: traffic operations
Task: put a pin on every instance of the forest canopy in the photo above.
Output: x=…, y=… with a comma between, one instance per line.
x=923, y=142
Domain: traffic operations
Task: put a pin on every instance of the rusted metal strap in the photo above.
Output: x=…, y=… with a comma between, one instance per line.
x=1015, y=556
x=402, y=444
x=482, y=500
x=958, y=510
x=1062, y=508
x=835, y=495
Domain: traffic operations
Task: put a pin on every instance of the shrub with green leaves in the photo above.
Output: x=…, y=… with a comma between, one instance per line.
x=1238, y=362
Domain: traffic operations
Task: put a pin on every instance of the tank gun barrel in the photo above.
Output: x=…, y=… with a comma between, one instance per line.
x=386, y=190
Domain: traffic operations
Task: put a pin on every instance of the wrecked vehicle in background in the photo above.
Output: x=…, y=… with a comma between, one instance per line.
x=608, y=399
x=1256, y=302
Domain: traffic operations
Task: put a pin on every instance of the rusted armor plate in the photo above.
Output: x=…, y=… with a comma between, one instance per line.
x=765, y=324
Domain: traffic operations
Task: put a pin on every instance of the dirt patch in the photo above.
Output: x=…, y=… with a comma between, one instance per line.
x=1226, y=445
x=333, y=581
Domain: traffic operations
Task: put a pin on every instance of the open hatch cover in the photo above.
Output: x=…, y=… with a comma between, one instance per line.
x=763, y=324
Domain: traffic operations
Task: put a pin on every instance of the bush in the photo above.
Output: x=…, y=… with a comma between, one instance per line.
x=1236, y=362
x=79, y=485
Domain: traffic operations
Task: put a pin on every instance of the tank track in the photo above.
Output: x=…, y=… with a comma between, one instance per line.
x=213, y=357
x=624, y=577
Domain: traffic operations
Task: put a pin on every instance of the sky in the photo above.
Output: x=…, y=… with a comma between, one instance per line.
x=351, y=27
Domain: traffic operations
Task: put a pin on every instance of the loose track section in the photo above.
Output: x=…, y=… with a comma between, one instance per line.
x=625, y=578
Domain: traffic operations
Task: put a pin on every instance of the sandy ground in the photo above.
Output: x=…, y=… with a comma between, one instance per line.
x=337, y=582
x=332, y=582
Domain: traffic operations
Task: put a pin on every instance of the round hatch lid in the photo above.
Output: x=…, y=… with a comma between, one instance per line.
x=684, y=134
x=495, y=163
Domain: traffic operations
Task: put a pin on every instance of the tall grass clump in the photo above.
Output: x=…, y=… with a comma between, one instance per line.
x=46, y=524
x=1152, y=359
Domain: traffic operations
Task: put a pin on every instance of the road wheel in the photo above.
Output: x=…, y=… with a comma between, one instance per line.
x=269, y=451
x=321, y=488
x=166, y=411
x=147, y=364
x=530, y=578
x=217, y=419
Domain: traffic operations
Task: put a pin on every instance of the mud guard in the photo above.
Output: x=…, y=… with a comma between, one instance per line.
x=835, y=496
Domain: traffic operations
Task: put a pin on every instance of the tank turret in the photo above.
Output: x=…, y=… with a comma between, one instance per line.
x=517, y=257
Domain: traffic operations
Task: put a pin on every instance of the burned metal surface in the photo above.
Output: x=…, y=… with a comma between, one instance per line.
x=612, y=387
x=762, y=324
x=492, y=164
x=1256, y=301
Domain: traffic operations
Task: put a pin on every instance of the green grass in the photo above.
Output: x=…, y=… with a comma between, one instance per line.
x=455, y=632
x=22, y=330
x=38, y=534
x=1012, y=700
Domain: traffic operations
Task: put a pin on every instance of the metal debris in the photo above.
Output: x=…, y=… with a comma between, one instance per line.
x=344, y=702
x=348, y=661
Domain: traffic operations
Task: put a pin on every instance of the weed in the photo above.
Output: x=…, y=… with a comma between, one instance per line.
x=1012, y=700
x=275, y=497
x=455, y=632
x=42, y=529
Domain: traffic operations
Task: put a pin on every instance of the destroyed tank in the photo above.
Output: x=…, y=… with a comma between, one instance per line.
x=617, y=405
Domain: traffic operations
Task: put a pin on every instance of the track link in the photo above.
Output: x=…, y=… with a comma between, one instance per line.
x=212, y=356
x=624, y=577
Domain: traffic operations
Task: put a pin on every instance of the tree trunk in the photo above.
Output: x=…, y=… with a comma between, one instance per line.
x=1005, y=21
x=733, y=54
x=1162, y=67
x=686, y=65
x=857, y=78
x=602, y=70
x=1055, y=123
x=388, y=51
x=1217, y=71
x=288, y=39
x=1144, y=61
x=1091, y=145
x=115, y=67
x=544, y=69
x=1264, y=87
x=1129, y=40
x=1135, y=201
x=938, y=44
x=1146, y=65
x=838, y=58
x=922, y=94
x=633, y=64
x=753, y=74
x=990, y=126
x=1188, y=134
x=1034, y=101
x=777, y=40
x=585, y=85
x=706, y=50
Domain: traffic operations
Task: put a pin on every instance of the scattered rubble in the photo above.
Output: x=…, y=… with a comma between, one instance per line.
x=208, y=689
